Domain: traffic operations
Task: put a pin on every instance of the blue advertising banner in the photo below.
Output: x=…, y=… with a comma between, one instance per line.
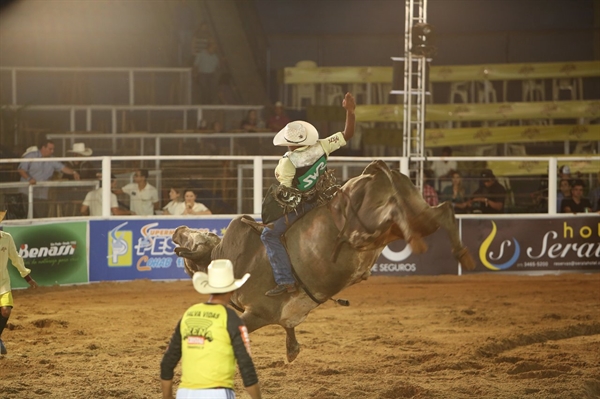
x=397, y=258
x=533, y=245
x=141, y=249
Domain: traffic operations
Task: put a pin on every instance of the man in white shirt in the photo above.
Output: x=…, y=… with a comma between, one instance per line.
x=92, y=204
x=143, y=195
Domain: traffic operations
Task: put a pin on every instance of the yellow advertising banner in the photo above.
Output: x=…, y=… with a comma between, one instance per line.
x=510, y=134
x=533, y=167
x=484, y=112
x=446, y=73
x=526, y=71
x=297, y=75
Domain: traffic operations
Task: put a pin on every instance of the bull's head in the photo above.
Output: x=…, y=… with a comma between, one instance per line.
x=195, y=246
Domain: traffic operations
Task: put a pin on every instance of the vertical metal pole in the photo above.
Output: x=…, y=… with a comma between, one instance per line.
x=106, y=189
x=72, y=119
x=131, y=88
x=552, y=186
x=88, y=119
x=13, y=75
x=258, y=185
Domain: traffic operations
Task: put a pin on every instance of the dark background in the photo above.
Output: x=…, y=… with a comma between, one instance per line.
x=331, y=32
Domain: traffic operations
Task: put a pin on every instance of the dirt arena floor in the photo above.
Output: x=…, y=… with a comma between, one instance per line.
x=487, y=336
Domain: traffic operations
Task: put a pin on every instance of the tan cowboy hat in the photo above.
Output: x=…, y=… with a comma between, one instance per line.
x=297, y=133
x=81, y=149
x=2, y=214
x=219, y=279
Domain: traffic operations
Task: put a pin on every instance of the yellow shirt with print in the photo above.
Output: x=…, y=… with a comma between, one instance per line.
x=207, y=358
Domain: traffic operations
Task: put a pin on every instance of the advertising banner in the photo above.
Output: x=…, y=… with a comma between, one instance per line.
x=141, y=249
x=533, y=245
x=397, y=258
x=56, y=253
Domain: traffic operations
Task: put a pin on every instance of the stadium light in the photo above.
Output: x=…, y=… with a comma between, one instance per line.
x=422, y=40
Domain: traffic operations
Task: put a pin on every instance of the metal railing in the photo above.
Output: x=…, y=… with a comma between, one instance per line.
x=232, y=170
x=185, y=76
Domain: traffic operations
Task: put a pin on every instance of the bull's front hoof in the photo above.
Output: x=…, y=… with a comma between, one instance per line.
x=465, y=258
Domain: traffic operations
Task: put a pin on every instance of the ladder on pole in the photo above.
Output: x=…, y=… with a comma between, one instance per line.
x=414, y=92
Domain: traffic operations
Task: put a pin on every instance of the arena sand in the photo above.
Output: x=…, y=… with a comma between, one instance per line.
x=484, y=336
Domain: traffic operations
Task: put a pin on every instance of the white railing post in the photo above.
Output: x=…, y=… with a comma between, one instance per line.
x=106, y=186
x=552, y=186
x=258, y=185
x=404, y=166
x=30, y=202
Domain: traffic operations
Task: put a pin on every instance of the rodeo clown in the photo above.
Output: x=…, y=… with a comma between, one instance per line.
x=8, y=250
x=304, y=183
x=209, y=340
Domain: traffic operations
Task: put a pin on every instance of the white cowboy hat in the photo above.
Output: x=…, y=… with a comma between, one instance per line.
x=33, y=148
x=81, y=149
x=297, y=133
x=219, y=279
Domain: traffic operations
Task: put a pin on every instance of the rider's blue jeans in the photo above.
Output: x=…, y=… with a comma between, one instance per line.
x=271, y=237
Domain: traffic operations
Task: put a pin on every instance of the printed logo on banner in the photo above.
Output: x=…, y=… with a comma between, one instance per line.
x=485, y=253
x=397, y=256
x=55, y=252
x=119, y=247
x=155, y=248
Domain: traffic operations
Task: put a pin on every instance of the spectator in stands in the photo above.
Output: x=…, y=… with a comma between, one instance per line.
x=564, y=172
x=429, y=193
x=85, y=168
x=206, y=69
x=455, y=194
x=442, y=170
x=176, y=205
x=564, y=192
x=595, y=194
x=279, y=118
x=489, y=197
x=539, y=198
x=143, y=196
x=191, y=206
x=576, y=203
x=92, y=204
x=34, y=172
x=252, y=123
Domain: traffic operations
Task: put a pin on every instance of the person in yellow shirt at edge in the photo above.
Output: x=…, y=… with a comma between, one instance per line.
x=8, y=250
x=209, y=339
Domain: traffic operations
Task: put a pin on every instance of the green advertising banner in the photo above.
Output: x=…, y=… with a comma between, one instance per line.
x=56, y=253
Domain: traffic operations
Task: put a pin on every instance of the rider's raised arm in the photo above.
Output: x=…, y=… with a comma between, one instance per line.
x=350, y=105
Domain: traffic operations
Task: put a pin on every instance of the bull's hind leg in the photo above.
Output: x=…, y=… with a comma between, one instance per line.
x=444, y=216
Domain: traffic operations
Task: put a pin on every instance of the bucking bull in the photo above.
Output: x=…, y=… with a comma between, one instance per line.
x=331, y=248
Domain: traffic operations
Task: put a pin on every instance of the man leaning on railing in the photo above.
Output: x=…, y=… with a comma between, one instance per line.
x=34, y=172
